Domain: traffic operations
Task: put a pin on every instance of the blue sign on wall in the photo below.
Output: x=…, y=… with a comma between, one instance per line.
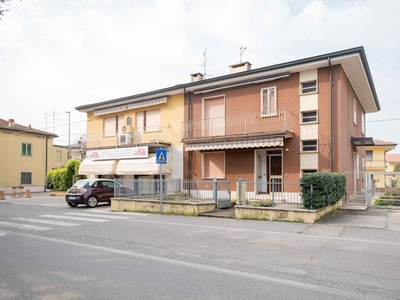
x=161, y=156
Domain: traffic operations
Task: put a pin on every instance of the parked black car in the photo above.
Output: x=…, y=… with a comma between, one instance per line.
x=93, y=191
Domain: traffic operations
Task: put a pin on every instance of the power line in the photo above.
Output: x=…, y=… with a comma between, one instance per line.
x=397, y=119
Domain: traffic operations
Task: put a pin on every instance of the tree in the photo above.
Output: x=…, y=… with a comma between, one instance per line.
x=4, y=7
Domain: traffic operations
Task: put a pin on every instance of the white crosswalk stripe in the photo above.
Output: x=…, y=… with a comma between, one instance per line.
x=74, y=218
x=100, y=216
x=24, y=226
x=50, y=222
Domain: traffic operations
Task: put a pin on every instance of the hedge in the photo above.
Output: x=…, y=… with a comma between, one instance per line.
x=62, y=179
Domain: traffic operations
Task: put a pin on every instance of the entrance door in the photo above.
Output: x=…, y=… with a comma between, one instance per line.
x=275, y=172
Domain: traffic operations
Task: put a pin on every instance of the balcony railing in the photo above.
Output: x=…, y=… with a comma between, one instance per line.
x=136, y=136
x=237, y=125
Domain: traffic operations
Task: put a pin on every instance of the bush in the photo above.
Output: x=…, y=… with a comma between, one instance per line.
x=319, y=190
x=62, y=179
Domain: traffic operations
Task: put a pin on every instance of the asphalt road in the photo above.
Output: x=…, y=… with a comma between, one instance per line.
x=51, y=251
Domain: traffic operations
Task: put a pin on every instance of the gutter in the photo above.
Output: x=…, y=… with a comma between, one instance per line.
x=188, y=118
x=331, y=116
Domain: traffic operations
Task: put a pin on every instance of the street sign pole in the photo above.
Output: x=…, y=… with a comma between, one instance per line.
x=161, y=189
x=161, y=159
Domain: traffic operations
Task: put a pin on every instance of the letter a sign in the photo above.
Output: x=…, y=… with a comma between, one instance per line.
x=161, y=156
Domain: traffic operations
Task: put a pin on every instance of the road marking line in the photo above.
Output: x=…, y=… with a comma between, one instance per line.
x=41, y=221
x=74, y=218
x=24, y=226
x=99, y=215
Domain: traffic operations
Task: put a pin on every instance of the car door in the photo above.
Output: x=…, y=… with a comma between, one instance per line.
x=108, y=190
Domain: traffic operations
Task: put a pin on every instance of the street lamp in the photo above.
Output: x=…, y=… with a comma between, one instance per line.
x=69, y=135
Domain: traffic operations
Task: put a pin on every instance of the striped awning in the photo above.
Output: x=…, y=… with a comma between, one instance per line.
x=236, y=144
x=133, y=105
x=97, y=167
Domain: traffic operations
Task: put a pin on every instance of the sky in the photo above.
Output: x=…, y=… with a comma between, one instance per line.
x=57, y=55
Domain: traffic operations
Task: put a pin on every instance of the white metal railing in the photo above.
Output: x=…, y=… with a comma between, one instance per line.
x=242, y=124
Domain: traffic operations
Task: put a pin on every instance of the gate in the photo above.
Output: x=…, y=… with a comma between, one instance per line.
x=222, y=193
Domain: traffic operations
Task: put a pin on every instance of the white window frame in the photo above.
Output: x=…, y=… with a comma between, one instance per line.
x=203, y=168
x=304, y=119
x=354, y=111
x=363, y=123
x=309, y=89
x=270, y=105
x=304, y=148
x=58, y=155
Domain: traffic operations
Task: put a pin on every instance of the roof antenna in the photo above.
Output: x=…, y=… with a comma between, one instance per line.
x=242, y=49
x=205, y=63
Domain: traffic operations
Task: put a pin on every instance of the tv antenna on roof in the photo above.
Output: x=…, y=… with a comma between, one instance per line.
x=242, y=49
x=204, y=65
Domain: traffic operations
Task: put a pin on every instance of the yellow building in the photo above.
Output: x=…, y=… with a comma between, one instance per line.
x=26, y=154
x=123, y=135
x=376, y=161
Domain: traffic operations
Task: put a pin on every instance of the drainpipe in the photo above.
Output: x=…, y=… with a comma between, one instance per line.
x=331, y=112
x=45, y=168
x=188, y=118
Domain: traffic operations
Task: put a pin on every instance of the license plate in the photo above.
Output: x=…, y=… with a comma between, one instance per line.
x=73, y=198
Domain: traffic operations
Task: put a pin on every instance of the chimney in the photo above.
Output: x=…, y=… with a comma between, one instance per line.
x=239, y=67
x=196, y=77
x=11, y=123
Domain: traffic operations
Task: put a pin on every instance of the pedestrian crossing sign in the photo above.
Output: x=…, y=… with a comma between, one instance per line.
x=161, y=156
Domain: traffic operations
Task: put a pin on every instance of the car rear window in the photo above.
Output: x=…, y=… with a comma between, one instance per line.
x=81, y=184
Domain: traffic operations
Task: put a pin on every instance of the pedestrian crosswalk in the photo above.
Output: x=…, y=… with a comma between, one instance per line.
x=71, y=219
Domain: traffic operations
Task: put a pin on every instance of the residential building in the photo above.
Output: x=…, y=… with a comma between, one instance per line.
x=281, y=121
x=26, y=154
x=123, y=135
x=391, y=161
x=273, y=123
x=376, y=164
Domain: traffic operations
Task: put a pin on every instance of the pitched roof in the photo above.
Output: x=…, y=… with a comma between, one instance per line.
x=384, y=143
x=392, y=158
x=12, y=126
x=354, y=62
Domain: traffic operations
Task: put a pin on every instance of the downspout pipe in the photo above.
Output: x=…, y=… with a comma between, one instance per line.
x=188, y=118
x=45, y=164
x=331, y=116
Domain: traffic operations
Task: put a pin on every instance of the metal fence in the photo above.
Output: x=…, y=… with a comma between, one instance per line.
x=269, y=194
x=218, y=191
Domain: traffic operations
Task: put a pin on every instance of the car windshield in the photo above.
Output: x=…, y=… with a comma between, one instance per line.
x=80, y=184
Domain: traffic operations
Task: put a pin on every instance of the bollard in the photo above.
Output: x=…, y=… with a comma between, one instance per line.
x=2, y=195
x=14, y=192
x=27, y=193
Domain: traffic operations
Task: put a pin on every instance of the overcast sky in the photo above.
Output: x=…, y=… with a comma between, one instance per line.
x=56, y=55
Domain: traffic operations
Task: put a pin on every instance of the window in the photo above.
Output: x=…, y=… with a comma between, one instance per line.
x=310, y=145
x=148, y=120
x=309, y=171
x=112, y=125
x=309, y=87
x=268, y=101
x=214, y=165
x=58, y=155
x=354, y=111
x=26, y=149
x=309, y=116
x=26, y=178
x=369, y=155
x=362, y=123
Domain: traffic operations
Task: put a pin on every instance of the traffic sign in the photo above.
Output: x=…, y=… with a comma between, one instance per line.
x=161, y=156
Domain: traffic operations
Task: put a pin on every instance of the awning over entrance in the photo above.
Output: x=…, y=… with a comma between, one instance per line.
x=97, y=167
x=142, y=166
x=362, y=141
x=236, y=144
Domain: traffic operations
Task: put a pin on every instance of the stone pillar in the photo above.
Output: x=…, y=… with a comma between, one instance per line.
x=27, y=193
x=2, y=195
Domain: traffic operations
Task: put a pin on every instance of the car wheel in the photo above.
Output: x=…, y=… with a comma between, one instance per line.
x=72, y=204
x=91, y=201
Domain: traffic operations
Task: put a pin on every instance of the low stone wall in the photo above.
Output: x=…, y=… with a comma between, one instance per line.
x=283, y=214
x=168, y=207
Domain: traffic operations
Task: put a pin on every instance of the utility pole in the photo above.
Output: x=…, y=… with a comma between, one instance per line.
x=69, y=135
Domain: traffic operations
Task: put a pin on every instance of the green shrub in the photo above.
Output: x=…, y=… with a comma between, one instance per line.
x=319, y=190
x=63, y=178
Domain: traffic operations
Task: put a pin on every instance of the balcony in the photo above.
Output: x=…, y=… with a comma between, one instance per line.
x=281, y=122
x=145, y=136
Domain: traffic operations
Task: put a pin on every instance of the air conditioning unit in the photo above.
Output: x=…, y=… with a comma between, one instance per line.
x=125, y=139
